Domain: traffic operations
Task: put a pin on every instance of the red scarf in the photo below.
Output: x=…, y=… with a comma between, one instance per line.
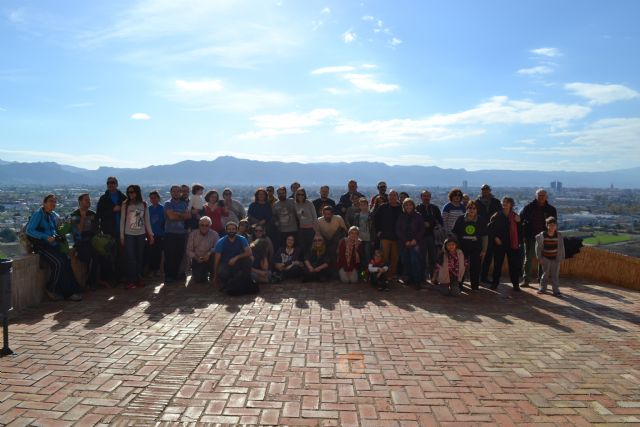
x=513, y=231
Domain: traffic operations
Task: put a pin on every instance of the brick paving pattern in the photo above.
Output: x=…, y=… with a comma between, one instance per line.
x=327, y=354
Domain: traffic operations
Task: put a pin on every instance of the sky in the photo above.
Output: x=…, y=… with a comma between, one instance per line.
x=496, y=84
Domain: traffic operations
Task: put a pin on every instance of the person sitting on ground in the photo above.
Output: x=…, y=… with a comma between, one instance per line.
x=323, y=200
x=199, y=246
x=452, y=210
x=550, y=253
x=449, y=272
x=317, y=262
x=287, y=262
x=378, y=271
x=259, y=233
x=42, y=230
x=260, y=272
x=135, y=230
x=233, y=263
x=349, y=256
x=84, y=226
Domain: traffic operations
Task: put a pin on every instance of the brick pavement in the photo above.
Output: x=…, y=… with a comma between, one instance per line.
x=327, y=354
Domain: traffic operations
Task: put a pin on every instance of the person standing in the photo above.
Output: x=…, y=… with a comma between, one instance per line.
x=410, y=232
x=157, y=220
x=345, y=199
x=135, y=230
x=108, y=211
x=550, y=253
x=284, y=215
x=432, y=219
x=505, y=232
x=175, y=234
x=471, y=231
x=385, y=219
x=487, y=206
x=533, y=217
x=307, y=220
x=382, y=194
x=452, y=210
x=84, y=226
x=323, y=200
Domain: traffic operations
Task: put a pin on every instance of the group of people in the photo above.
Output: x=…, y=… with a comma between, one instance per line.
x=385, y=239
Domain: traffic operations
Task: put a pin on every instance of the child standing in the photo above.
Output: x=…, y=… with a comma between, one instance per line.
x=378, y=271
x=550, y=253
x=450, y=269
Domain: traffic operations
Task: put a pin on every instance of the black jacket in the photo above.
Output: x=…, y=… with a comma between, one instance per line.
x=526, y=215
x=494, y=206
x=430, y=214
x=385, y=220
x=499, y=227
x=106, y=216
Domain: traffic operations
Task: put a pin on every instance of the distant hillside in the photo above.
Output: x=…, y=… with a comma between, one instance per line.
x=230, y=170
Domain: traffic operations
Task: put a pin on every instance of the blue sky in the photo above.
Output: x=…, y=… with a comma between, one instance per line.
x=548, y=85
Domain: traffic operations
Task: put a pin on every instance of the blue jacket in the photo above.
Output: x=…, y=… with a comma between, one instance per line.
x=43, y=225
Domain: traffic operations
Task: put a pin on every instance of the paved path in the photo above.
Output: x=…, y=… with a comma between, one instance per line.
x=332, y=354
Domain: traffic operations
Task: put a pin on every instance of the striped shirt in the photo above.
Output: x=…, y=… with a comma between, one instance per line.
x=550, y=246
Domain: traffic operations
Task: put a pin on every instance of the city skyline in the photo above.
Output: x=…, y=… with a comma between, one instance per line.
x=499, y=85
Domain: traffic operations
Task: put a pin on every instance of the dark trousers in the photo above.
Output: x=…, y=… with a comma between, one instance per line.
x=153, y=253
x=200, y=270
x=514, y=260
x=431, y=255
x=61, y=279
x=88, y=256
x=134, y=253
x=236, y=279
x=473, y=255
x=305, y=239
x=486, y=262
x=174, y=246
x=412, y=264
x=318, y=276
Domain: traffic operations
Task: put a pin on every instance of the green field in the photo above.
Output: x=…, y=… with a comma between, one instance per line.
x=606, y=239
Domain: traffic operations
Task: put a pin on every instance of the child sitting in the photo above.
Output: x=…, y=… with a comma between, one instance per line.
x=450, y=269
x=378, y=271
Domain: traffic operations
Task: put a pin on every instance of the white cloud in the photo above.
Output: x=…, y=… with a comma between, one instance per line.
x=550, y=52
x=140, y=116
x=368, y=82
x=333, y=69
x=200, y=86
x=528, y=141
x=395, y=41
x=601, y=93
x=74, y=159
x=613, y=137
x=289, y=123
x=368, y=18
x=540, y=69
x=325, y=11
x=349, y=36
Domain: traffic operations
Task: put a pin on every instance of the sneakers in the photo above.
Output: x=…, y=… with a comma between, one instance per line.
x=557, y=295
x=541, y=291
x=517, y=288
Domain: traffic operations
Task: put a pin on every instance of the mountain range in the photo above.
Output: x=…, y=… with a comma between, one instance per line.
x=233, y=171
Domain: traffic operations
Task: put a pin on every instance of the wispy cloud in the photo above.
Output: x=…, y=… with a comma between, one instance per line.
x=368, y=82
x=601, y=93
x=538, y=70
x=326, y=11
x=395, y=41
x=549, y=52
x=333, y=69
x=289, y=123
x=140, y=116
x=75, y=159
x=80, y=105
x=199, y=85
x=349, y=36
x=614, y=137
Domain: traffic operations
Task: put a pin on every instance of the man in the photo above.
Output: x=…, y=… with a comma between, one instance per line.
x=533, y=217
x=157, y=220
x=233, y=263
x=323, y=200
x=284, y=216
x=199, y=246
x=234, y=207
x=385, y=219
x=84, y=225
x=108, y=212
x=332, y=228
x=382, y=192
x=345, y=199
x=175, y=234
x=432, y=217
x=487, y=206
x=185, y=192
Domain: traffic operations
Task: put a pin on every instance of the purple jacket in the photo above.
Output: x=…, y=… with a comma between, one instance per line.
x=410, y=227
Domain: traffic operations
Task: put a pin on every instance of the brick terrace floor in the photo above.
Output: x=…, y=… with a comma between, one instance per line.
x=327, y=354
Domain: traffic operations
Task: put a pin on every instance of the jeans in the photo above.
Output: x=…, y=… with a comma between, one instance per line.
x=412, y=264
x=134, y=250
x=154, y=253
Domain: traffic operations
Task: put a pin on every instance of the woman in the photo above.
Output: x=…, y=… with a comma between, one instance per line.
x=452, y=210
x=215, y=210
x=349, y=256
x=505, y=231
x=42, y=232
x=307, y=219
x=135, y=229
x=260, y=212
x=244, y=229
x=317, y=262
x=286, y=261
x=410, y=232
x=260, y=265
x=471, y=232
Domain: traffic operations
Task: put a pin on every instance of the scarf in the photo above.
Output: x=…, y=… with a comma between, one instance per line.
x=351, y=250
x=513, y=231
